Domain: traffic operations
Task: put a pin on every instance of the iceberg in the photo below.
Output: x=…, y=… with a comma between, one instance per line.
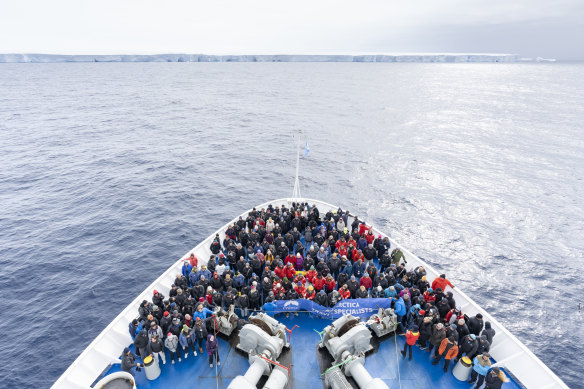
x=398, y=57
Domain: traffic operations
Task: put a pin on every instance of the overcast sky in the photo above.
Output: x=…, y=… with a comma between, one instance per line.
x=527, y=27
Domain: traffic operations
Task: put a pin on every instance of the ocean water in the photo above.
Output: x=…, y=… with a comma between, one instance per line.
x=110, y=172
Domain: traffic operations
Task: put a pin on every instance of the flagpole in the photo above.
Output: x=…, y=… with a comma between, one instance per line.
x=296, y=192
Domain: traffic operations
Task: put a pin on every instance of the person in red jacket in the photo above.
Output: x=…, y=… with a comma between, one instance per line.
x=311, y=275
x=300, y=289
x=290, y=259
x=310, y=293
x=429, y=296
x=278, y=288
x=318, y=283
x=345, y=292
x=280, y=271
x=441, y=282
x=357, y=255
x=411, y=339
x=369, y=237
x=193, y=260
x=290, y=272
x=300, y=278
x=366, y=281
x=363, y=228
x=329, y=283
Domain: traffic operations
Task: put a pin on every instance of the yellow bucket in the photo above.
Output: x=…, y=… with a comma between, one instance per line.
x=148, y=360
x=466, y=361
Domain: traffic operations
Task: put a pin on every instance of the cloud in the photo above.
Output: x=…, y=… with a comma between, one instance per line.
x=301, y=26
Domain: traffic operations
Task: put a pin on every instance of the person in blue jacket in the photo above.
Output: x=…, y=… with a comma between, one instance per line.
x=201, y=312
x=348, y=269
x=390, y=292
x=481, y=366
x=186, y=268
x=135, y=327
x=401, y=311
x=359, y=269
x=239, y=281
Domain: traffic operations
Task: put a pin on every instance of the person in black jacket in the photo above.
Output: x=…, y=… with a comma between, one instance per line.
x=475, y=324
x=425, y=330
x=488, y=332
x=462, y=329
x=129, y=362
x=140, y=342
x=483, y=346
x=243, y=304
x=321, y=298
x=495, y=379
x=468, y=346
x=156, y=349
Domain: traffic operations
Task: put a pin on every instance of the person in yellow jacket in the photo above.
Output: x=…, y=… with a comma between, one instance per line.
x=447, y=350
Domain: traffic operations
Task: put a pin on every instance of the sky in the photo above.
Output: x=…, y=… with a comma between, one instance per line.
x=531, y=28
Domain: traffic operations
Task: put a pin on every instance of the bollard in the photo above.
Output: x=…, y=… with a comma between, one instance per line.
x=462, y=369
x=151, y=368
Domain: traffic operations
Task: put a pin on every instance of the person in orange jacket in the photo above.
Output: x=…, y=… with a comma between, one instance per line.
x=345, y=292
x=441, y=282
x=411, y=339
x=448, y=349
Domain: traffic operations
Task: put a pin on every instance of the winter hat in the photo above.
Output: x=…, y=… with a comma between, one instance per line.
x=422, y=312
x=415, y=328
x=487, y=325
x=379, y=288
x=175, y=320
x=169, y=335
x=473, y=336
x=185, y=328
x=496, y=370
x=155, y=291
x=166, y=313
x=135, y=322
x=453, y=326
x=423, y=278
x=299, y=283
x=430, y=290
x=439, y=326
x=126, y=350
x=197, y=318
x=479, y=316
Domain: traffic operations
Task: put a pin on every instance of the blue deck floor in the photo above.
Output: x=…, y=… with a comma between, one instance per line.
x=386, y=364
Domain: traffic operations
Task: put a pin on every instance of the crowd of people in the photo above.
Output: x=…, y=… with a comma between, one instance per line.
x=288, y=253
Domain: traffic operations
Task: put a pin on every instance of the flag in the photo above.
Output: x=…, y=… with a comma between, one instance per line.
x=307, y=149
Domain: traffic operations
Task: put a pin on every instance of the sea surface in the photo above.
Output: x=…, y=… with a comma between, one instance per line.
x=111, y=172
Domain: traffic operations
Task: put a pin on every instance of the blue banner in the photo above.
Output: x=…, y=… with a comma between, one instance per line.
x=363, y=308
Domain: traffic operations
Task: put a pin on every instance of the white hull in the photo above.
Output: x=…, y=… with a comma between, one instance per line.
x=510, y=353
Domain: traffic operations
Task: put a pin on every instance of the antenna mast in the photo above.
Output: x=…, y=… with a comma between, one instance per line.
x=296, y=192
